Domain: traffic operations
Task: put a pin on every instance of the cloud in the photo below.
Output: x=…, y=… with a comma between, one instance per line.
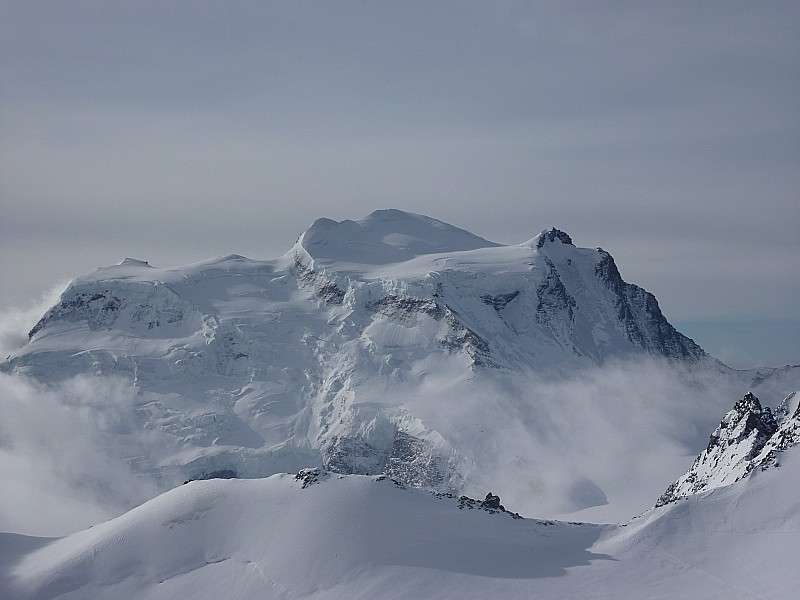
x=553, y=446
x=16, y=322
x=58, y=466
x=600, y=444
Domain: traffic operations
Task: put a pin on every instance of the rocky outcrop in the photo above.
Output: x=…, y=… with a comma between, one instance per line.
x=556, y=307
x=786, y=436
x=455, y=337
x=393, y=306
x=499, y=301
x=324, y=288
x=551, y=235
x=98, y=309
x=145, y=309
x=749, y=437
x=410, y=460
x=639, y=313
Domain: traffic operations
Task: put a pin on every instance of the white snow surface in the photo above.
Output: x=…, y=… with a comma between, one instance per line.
x=395, y=344
x=350, y=536
x=385, y=237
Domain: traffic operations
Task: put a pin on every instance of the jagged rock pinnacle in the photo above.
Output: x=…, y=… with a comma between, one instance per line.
x=551, y=235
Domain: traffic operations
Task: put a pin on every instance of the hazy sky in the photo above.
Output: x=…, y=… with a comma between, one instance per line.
x=666, y=132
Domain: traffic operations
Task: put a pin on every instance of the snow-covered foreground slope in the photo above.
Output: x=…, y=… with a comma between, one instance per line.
x=365, y=537
x=395, y=344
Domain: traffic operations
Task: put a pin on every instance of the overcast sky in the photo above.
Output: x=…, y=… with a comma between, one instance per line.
x=666, y=132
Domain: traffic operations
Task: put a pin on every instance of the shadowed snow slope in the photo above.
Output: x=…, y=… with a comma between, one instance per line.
x=363, y=537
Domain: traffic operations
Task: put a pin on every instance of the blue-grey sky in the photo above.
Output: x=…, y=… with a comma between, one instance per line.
x=666, y=132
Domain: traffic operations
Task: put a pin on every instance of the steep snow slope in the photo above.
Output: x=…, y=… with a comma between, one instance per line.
x=395, y=344
x=363, y=537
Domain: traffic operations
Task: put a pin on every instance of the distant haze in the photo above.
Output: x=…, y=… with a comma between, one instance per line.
x=667, y=133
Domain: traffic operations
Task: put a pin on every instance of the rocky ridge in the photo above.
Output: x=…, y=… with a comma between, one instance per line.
x=750, y=437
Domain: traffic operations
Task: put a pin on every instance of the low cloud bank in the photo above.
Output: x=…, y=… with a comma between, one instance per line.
x=56, y=466
x=58, y=471
x=599, y=444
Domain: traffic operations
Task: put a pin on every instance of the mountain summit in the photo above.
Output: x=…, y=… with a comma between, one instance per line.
x=550, y=236
x=384, y=237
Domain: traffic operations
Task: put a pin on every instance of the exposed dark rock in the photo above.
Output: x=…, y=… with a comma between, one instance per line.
x=491, y=505
x=669, y=495
x=459, y=337
x=99, y=309
x=331, y=293
x=325, y=289
x=638, y=311
x=351, y=455
x=410, y=460
x=414, y=462
x=310, y=476
x=491, y=501
x=731, y=452
x=395, y=482
x=463, y=338
x=555, y=302
x=786, y=436
x=220, y=474
x=755, y=418
x=403, y=306
x=500, y=301
x=552, y=235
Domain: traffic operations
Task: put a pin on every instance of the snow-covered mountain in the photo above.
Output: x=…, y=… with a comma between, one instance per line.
x=396, y=344
x=395, y=363
x=321, y=536
x=750, y=437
